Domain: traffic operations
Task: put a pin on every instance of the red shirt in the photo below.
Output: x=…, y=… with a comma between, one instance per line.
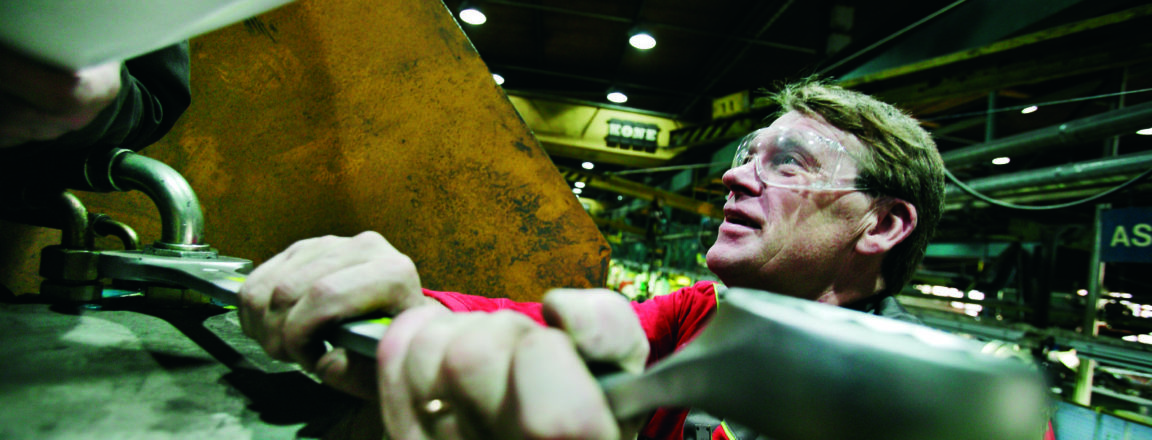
x=670, y=321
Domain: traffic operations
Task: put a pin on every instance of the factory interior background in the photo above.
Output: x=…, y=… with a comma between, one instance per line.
x=1042, y=110
x=1002, y=87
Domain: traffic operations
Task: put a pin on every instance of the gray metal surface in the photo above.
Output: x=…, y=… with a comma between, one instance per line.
x=129, y=371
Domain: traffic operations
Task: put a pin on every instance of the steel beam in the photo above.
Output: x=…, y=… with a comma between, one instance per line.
x=1096, y=127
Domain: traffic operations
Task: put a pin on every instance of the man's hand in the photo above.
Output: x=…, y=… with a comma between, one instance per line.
x=500, y=375
x=317, y=283
x=42, y=103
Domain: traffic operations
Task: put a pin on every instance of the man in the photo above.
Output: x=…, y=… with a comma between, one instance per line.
x=834, y=202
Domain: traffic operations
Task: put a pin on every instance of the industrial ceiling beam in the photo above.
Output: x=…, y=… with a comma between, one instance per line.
x=1002, y=46
x=1125, y=120
x=619, y=225
x=568, y=128
x=1057, y=177
x=632, y=189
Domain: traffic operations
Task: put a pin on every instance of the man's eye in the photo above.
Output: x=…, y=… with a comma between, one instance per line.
x=743, y=159
x=786, y=159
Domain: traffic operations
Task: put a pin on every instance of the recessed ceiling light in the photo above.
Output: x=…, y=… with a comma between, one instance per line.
x=579, y=184
x=473, y=16
x=642, y=41
x=1029, y=109
x=499, y=79
x=577, y=190
x=618, y=97
x=1001, y=161
x=587, y=165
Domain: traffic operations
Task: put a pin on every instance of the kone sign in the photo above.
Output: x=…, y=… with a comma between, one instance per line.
x=1126, y=235
x=628, y=134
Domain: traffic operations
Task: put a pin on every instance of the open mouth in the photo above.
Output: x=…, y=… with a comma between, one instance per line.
x=741, y=221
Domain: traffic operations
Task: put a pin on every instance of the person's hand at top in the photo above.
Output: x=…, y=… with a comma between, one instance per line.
x=317, y=283
x=501, y=375
x=41, y=103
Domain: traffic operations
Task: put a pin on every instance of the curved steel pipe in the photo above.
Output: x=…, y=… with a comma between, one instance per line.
x=181, y=219
x=104, y=226
x=75, y=228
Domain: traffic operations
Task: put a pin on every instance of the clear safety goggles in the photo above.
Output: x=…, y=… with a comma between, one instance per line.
x=798, y=159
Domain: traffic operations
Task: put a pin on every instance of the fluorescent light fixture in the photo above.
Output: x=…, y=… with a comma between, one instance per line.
x=618, y=97
x=587, y=165
x=579, y=184
x=473, y=16
x=499, y=79
x=642, y=41
x=1029, y=109
x=1145, y=132
x=1001, y=161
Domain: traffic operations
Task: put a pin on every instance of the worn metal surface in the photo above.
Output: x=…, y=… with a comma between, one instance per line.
x=132, y=371
x=342, y=116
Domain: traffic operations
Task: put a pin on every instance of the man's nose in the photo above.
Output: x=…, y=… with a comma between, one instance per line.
x=742, y=179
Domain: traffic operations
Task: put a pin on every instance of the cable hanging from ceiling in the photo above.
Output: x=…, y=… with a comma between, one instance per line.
x=1000, y=203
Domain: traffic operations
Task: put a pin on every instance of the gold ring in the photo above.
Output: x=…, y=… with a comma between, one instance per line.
x=436, y=407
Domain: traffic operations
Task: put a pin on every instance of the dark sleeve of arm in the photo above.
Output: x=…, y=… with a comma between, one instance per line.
x=154, y=93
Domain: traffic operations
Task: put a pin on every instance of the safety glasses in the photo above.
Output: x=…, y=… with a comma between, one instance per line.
x=798, y=159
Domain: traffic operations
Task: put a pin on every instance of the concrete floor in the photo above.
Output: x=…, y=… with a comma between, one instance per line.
x=131, y=370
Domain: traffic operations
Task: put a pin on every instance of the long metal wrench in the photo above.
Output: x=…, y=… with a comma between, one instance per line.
x=218, y=278
x=785, y=367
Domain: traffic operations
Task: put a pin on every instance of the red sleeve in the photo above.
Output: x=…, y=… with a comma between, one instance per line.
x=671, y=321
x=459, y=302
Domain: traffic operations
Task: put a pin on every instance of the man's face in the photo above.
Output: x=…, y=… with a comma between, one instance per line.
x=787, y=238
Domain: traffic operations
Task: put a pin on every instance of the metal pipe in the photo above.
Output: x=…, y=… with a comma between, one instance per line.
x=1104, y=167
x=75, y=227
x=104, y=226
x=56, y=209
x=1091, y=128
x=181, y=219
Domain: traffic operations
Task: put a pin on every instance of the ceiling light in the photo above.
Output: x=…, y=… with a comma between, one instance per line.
x=1145, y=132
x=1001, y=161
x=577, y=190
x=473, y=16
x=1029, y=109
x=499, y=79
x=579, y=184
x=619, y=197
x=642, y=41
x=618, y=97
x=587, y=165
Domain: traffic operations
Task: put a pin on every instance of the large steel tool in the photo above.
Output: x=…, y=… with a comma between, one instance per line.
x=785, y=367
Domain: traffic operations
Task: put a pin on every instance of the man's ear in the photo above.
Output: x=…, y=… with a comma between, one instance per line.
x=895, y=220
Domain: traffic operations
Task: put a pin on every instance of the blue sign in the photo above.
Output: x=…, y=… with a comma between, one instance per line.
x=1126, y=235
